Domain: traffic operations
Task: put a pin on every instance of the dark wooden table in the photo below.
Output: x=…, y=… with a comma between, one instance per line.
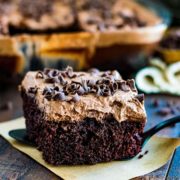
x=16, y=165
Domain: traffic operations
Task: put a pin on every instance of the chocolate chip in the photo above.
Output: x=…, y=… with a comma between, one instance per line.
x=101, y=26
x=32, y=90
x=115, y=74
x=146, y=152
x=52, y=80
x=81, y=90
x=140, y=97
x=106, y=74
x=69, y=72
x=39, y=75
x=46, y=71
x=59, y=96
x=47, y=90
x=62, y=80
x=155, y=103
x=6, y=106
x=131, y=84
x=91, y=82
x=164, y=111
x=94, y=71
x=140, y=156
x=63, y=74
x=98, y=92
x=106, y=92
x=75, y=98
x=56, y=88
x=123, y=86
x=85, y=86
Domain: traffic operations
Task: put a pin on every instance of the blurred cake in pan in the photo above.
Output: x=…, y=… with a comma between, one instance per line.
x=80, y=30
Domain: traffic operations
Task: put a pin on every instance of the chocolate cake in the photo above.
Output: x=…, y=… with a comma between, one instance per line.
x=82, y=117
x=55, y=33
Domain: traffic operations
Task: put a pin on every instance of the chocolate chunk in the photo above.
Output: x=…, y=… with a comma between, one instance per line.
x=59, y=96
x=140, y=97
x=75, y=98
x=32, y=90
x=39, y=75
x=131, y=84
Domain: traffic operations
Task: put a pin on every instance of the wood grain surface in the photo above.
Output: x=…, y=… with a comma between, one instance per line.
x=16, y=165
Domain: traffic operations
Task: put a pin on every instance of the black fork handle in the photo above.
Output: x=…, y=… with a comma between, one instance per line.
x=148, y=134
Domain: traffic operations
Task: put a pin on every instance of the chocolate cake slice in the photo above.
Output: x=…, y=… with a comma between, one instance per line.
x=82, y=117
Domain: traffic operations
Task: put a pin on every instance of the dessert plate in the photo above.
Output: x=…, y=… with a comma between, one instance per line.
x=20, y=134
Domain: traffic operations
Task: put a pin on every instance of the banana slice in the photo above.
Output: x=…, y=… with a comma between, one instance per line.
x=154, y=80
x=173, y=74
x=146, y=80
x=158, y=63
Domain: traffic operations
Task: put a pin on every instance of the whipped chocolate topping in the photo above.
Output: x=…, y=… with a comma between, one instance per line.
x=78, y=95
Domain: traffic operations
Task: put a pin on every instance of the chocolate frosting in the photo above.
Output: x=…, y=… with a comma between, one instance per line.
x=75, y=104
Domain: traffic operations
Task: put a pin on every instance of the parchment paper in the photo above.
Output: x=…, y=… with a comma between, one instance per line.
x=159, y=151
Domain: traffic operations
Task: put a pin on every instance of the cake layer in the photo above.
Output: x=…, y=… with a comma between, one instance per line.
x=67, y=95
